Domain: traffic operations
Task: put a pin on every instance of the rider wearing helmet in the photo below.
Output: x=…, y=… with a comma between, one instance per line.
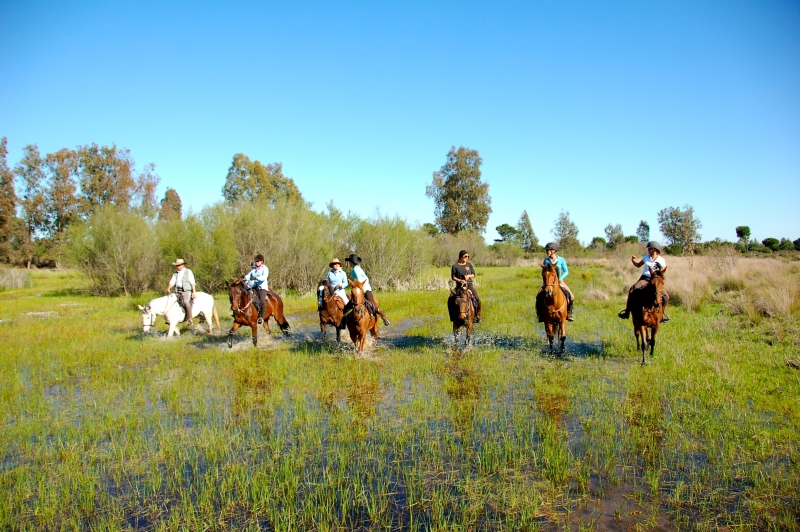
x=257, y=280
x=552, y=258
x=357, y=273
x=652, y=262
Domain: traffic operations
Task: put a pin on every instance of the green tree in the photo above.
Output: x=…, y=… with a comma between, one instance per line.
x=614, y=235
x=633, y=239
x=250, y=181
x=565, y=232
x=145, y=191
x=8, y=206
x=598, y=243
x=527, y=238
x=771, y=243
x=643, y=231
x=743, y=234
x=171, y=206
x=430, y=229
x=507, y=233
x=786, y=244
x=461, y=200
x=30, y=172
x=796, y=244
x=680, y=227
x=106, y=177
x=60, y=191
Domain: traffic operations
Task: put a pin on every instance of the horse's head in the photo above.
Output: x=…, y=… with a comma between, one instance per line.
x=356, y=292
x=325, y=285
x=550, y=279
x=462, y=301
x=657, y=282
x=237, y=294
x=148, y=318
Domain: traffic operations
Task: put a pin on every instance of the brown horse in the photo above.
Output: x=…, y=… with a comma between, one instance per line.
x=647, y=311
x=245, y=312
x=551, y=306
x=329, y=311
x=359, y=319
x=462, y=312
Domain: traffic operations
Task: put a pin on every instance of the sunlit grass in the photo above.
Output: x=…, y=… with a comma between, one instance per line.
x=105, y=428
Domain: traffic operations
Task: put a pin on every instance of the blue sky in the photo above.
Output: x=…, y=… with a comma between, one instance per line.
x=608, y=110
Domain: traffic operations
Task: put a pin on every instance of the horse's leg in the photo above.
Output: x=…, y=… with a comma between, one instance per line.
x=470, y=325
x=230, y=333
x=562, y=332
x=215, y=315
x=653, y=332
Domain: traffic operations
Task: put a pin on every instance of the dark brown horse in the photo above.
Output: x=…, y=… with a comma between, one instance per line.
x=330, y=312
x=551, y=306
x=647, y=311
x=462, y=312
x=359, y=319
x=246, y=313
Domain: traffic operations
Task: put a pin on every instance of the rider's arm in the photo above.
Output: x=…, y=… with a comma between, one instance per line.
x=564, y=269
x=172, y=281
x=636, y=263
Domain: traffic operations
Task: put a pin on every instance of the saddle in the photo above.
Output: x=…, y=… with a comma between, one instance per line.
x=339, y=302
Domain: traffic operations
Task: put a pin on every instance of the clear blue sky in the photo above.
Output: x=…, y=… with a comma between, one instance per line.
x=609, y=110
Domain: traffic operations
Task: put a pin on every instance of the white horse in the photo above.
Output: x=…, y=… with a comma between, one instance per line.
x=173, y=313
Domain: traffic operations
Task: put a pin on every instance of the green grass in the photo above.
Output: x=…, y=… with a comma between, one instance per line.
x=104, y=428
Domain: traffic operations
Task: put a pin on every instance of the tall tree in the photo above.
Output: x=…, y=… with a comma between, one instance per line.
x=8, y=205
x=643, y=231
x=145, y=190
x=461, y=200
x=743, y=234
x=527, y=238
x=60, y=192
x=614, y=235
x=250, y=180
x=106, y=177
x=565, y=231
x=507, y=233
x=171, y=206
x=30, y=172
x=680, y=227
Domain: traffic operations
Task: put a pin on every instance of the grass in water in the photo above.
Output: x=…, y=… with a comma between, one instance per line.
x=106, y=428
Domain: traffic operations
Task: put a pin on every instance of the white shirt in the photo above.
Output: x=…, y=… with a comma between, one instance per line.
x=650, y=264
x=257, y=278
x=182, y=279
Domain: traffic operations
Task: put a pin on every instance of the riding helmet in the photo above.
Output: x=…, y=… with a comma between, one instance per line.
x=259, y=258
x=551, y=245
x=655, y=245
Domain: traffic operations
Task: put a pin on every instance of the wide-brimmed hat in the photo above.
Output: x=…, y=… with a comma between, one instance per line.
x=179, y=262
x=353, y=259
x=259, y=258
x=335, y=261
x=654, y=245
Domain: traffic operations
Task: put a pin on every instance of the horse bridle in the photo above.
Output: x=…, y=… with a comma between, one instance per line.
x=240, y=308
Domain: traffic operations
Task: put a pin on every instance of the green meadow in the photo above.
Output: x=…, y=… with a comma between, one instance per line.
x=106, y=428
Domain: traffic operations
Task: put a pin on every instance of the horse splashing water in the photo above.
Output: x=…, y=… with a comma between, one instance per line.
x=462, y=312
x=647, y=311
x=359, y=319
x=174, y=314
x=332, y=309
x=246, y=313
x=551, y=306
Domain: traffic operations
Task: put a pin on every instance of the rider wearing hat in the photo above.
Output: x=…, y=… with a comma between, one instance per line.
x=257, y=280
x=652, y=262
x=357, y=273
x=463, y=272
x=338, y=279
x=552, y=258
x=183, y=281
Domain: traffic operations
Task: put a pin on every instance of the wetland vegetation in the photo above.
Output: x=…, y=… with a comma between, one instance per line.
x=106, y=428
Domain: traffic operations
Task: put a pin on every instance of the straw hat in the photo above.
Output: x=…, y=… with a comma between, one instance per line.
x=335, y=261
x=179, y=262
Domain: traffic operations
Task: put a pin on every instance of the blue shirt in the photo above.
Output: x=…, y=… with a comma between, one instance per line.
x=561, y=264
x=257, y=278
x=337, y=278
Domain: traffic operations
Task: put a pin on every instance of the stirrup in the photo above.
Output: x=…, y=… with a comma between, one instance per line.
x=570, y=317
x=260, y=320
x=665, y=319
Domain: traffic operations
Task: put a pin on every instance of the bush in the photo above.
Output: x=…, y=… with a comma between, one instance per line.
x=12, y=278
x=772, y=243
x=673, y=249
x=507, y=254
x=447, y=246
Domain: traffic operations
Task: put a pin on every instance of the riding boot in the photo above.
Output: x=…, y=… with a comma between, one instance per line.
x=383, y=316
x=665, y=318
x=477, y=306
x=570, y=317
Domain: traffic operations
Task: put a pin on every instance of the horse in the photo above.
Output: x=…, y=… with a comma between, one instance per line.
x=462, y=312
x=173, y=313
x=359, y=320
x=329, y=312
x=551, y=306
x=647, y=311
x=245, y=312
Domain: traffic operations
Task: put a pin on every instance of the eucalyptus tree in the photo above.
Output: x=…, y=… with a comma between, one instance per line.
x=461, y=199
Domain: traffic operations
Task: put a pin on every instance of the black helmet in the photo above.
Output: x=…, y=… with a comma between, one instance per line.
x=551, y=245
x=655, y=245
x=259, y=258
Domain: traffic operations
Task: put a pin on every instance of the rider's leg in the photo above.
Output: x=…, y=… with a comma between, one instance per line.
x=570, y=299
x=371, y=298
x=185, y=297
x=664, y=303
x=262, y=298
x=640, y=283
x=477, y=299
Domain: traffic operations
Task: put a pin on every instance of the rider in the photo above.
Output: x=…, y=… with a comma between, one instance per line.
x=256, y=279
x=357, y=273
x=652, y=262
x=183, y=281
x=552, y=258
x=338, y=280
x=463, y=272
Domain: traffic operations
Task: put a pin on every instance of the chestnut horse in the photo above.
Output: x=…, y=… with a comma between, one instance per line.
x=245, y=312
x=359, y=320
x=462, y=312
x=329, y=312
x=647, y=311
x=551, y=306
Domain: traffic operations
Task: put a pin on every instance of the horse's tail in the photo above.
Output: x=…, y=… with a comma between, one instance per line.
x=215, y=315
x=283, y=323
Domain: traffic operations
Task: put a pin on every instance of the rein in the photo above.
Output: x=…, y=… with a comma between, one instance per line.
x=242, y=309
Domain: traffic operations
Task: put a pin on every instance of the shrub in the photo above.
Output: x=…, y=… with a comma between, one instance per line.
x=772, y=243
x=507, y=254
x=673, y=249
x=447, y=246
x=13, y=278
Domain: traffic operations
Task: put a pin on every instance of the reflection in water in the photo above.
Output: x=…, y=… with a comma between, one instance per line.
x=463, y=388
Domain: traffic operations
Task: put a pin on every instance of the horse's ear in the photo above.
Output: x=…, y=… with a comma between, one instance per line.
x=140, y=307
